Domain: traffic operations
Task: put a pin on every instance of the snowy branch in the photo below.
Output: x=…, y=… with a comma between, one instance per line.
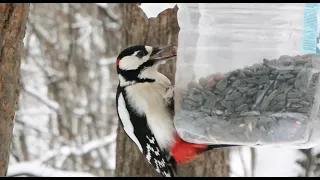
x=42, y=98
x=243, y=162
x=70, y=129
x=37, y=169
x=66, y=151
x=253, y=160
x=41, y=32
x=30, y=126
x=107, y=61
x=108, y=13
x=50, y=103
x=102, y=5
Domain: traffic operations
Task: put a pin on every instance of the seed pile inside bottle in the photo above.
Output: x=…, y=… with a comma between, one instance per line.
x=270, y=102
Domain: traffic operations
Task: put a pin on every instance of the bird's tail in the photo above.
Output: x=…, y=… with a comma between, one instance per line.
x=173, y=166
x=183, y=151
x=211, y=147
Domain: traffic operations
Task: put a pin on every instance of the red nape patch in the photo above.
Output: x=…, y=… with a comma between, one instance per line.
x=117, y=62
x=183, y=151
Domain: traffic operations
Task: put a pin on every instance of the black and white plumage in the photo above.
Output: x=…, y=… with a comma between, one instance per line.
x=145, y=109
x=145, y=105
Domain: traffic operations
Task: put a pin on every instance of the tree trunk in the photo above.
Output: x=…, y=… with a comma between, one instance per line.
x=160, y=31
x=12, y=30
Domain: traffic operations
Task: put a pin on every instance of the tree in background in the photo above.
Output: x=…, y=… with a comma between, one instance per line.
x=160, y=31
x=65, y=122
x=13, y=18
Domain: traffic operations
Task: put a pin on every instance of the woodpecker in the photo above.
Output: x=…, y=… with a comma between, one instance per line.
x=145, y=109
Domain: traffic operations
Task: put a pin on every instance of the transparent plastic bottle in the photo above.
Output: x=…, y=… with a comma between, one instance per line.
x=254, y=40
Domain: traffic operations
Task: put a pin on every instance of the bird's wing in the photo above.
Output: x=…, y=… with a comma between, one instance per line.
x=158, y=157
x=136, y=128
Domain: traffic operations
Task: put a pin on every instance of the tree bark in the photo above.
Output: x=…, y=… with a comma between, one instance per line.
x=160, y=31
x=12, y=30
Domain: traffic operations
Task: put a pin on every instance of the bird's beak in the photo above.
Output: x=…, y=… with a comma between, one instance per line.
x=161, y=54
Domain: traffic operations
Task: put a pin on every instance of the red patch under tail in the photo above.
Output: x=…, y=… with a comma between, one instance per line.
x=183, y=151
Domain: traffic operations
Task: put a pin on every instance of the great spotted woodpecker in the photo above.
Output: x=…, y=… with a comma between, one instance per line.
x=145, y=109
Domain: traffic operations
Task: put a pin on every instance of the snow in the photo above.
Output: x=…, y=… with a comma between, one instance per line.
x=66, y=151
x=98, y=143
x=111, y=25
x=79, y=111
x=107, y=61
x=42, y=98
x=42, y=110
x=110, y=14
x=273, y=162
x=44, y=34
x=270, y=162
x=103, y=5
x=240, y=162
x=34, y=168
x=111, y=158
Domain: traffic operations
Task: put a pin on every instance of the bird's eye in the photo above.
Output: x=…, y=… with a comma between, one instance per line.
x=140, y=54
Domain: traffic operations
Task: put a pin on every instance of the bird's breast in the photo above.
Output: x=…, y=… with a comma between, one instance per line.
x=147, y=99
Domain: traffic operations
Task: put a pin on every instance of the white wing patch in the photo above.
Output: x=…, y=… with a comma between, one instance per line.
x=125, y=119
x=151, y=140
x=166, y=174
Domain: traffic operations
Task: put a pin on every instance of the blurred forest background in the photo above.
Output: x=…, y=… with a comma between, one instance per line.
x=66, y=123
x=66, y=116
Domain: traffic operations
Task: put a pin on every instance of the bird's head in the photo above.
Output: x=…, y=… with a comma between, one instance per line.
x=136, y=63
